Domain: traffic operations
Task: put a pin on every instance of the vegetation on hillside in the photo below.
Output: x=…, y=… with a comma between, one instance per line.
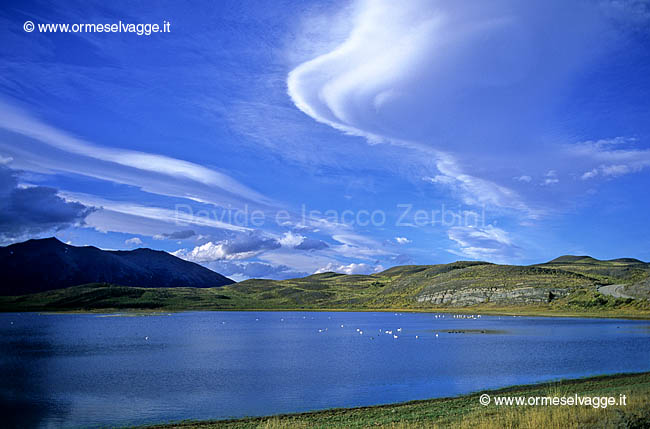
x=398, y=287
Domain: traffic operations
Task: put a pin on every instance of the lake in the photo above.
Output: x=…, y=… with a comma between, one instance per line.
x=92, y=370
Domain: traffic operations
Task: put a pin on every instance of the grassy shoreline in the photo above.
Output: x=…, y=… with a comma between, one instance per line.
x=466, y=411
x=522, y=311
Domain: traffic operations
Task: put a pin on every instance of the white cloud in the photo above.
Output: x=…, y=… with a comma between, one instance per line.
x=616, y=170
x=241, y=247
x=402, y=240
x=524, y=178
x=589, y=174
x=135, y=241
x=209, y=252
x=551, y=178
x=290, y=239
x=350, y=268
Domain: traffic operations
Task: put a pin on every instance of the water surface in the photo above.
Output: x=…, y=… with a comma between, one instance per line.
x=87, y=370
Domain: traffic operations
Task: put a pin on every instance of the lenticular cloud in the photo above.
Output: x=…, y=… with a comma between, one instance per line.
x=445, y=73
x=470, y=84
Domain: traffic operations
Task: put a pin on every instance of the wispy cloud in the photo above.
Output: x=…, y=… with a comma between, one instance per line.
x=102, y=218
x=19, y=122
x=615, y=157
x=489, y=243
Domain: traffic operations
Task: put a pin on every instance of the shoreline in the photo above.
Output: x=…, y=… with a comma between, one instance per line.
x=449, y=411
x=486, y=311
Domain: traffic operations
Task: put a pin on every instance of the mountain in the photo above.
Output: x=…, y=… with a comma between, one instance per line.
x=46, y=264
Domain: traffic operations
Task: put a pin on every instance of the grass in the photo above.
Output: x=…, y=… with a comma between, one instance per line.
x=466, y=411
x=109, y=298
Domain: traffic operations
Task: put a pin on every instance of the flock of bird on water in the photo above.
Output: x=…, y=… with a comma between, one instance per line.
x=398, y=330
x=389, y=332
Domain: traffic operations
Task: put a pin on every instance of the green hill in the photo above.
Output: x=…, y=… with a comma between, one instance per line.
x=622, y=270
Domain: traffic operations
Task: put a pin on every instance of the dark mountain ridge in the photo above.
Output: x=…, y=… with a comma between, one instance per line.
x=47, y=264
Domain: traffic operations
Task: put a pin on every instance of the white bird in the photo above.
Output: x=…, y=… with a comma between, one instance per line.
x=341, y=326
x=360, y=332
x=399, y=329
x=395, y=336
x=146, y=338
x=416, y=337
x=436, y=335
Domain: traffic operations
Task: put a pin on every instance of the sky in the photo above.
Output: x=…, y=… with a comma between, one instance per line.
x=281, y=139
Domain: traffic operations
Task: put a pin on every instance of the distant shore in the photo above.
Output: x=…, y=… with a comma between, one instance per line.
x=522, y=311
x=466, y=410
x=482, y=310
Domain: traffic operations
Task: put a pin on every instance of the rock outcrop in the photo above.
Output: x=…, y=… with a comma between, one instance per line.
x=472, y=296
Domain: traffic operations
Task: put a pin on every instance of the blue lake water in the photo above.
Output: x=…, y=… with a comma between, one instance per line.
x=82, y=370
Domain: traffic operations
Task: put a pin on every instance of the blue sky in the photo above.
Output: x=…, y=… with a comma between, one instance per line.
x=277, y=139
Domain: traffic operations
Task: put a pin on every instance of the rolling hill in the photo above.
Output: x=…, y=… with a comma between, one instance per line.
x=567, y=284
